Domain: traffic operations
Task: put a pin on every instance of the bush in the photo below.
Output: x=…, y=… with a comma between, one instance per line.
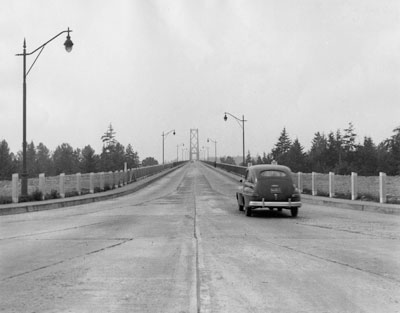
x=5, y=200
x=97, y=189
x=71, y=194
x=52, y=195
x=37, y=195
x=342, y=195
x=307, y=191
x=85, y=191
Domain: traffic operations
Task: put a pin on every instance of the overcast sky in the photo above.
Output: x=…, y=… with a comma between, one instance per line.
x=153, y=66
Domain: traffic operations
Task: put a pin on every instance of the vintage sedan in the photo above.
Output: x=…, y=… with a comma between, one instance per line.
x=268, y=186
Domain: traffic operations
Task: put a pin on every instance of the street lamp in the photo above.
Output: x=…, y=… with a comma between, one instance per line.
x=177, y=151
x=242, y=126
x=215, y=147
x=165, y=135
x=68, y=47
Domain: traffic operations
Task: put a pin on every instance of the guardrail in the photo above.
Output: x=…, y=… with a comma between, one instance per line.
x=382, y=188
x=62, y=186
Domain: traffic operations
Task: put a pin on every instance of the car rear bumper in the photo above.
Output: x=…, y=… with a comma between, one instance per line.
x=275, y=204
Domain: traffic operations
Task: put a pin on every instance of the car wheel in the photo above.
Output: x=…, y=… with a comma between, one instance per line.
x=247, y=211
x=239, y=205
x=294, y=211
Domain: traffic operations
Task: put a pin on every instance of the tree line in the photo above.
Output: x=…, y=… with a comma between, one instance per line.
x=336, y=152
x=66, y=159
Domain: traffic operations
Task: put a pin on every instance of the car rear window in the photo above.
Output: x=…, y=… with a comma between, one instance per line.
x=273, y=173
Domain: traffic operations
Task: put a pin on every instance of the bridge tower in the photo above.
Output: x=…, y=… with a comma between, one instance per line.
x=194, y=144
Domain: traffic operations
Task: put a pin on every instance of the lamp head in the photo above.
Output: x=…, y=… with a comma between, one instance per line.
x=225, y=117
x=173, y=132
x=68, y=43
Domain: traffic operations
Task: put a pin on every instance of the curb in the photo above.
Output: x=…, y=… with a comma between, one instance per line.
x=26, y=207
x=358, y=205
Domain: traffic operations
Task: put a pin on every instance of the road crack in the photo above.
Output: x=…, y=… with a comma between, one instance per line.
x=67, y=260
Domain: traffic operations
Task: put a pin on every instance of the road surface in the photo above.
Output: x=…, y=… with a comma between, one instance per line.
x=181, y=245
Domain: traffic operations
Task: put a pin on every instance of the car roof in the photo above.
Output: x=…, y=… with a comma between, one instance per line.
x=268, y=167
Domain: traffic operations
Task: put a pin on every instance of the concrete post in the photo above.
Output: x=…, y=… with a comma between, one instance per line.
x=382, y=187
x=299, y=182
x=42, y=181
x=116, y=179
x=110, y=179
x=78, y=183
x=62, y=185
x=121, y=178
x=313, y=183
x=14, y=190
x=91, y=182
x=354, y=186
x=331, y=184
x=102, y=181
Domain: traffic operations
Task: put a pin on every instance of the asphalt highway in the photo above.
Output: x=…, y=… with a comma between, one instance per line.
x=181, y=245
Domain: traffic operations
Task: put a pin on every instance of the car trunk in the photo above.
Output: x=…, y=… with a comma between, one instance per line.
x=274, y=188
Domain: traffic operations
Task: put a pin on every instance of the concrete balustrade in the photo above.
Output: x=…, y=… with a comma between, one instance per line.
x=62, y=185
x=382, y=188
x=78, y=183
x=313, y=184
x=91, y=183
x=354, y=189
x=101, y=181
x=299, y=182
x=331, y=184
x=14, y=193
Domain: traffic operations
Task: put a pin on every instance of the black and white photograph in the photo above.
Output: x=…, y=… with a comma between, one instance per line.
x=200, y=156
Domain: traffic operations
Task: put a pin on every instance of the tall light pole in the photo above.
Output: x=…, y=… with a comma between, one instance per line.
x=215, y=147
x=177, y=151
x=68, y=46
x=242, y=126
x=164, y=135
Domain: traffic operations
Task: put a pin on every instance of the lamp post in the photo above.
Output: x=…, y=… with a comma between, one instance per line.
x=242, y=126
x=215, y=148
x=177, y=151
x=163, y=140
x=68, y=47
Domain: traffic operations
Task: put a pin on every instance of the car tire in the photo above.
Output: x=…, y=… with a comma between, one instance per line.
x=239, y=205
x=294, y=211
x=247, y=211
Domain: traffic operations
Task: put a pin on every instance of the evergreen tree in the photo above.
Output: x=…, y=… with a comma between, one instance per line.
x=248, y=159
x=296, y=158
x=31, y=164
x=349, y=138
x=6, y=162
x=267, y=159
x=366, y=158
x=132, y=157
x=389, y=154
x=43, y=160
x=282, y=147
x=318, y=153
x=89, y=160
x=65, y=160
x=109, y=137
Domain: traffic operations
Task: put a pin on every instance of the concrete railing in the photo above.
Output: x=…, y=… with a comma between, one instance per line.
x=76, y=184
x=354, y=187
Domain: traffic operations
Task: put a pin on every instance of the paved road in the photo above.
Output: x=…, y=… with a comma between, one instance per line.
x=181, y=245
